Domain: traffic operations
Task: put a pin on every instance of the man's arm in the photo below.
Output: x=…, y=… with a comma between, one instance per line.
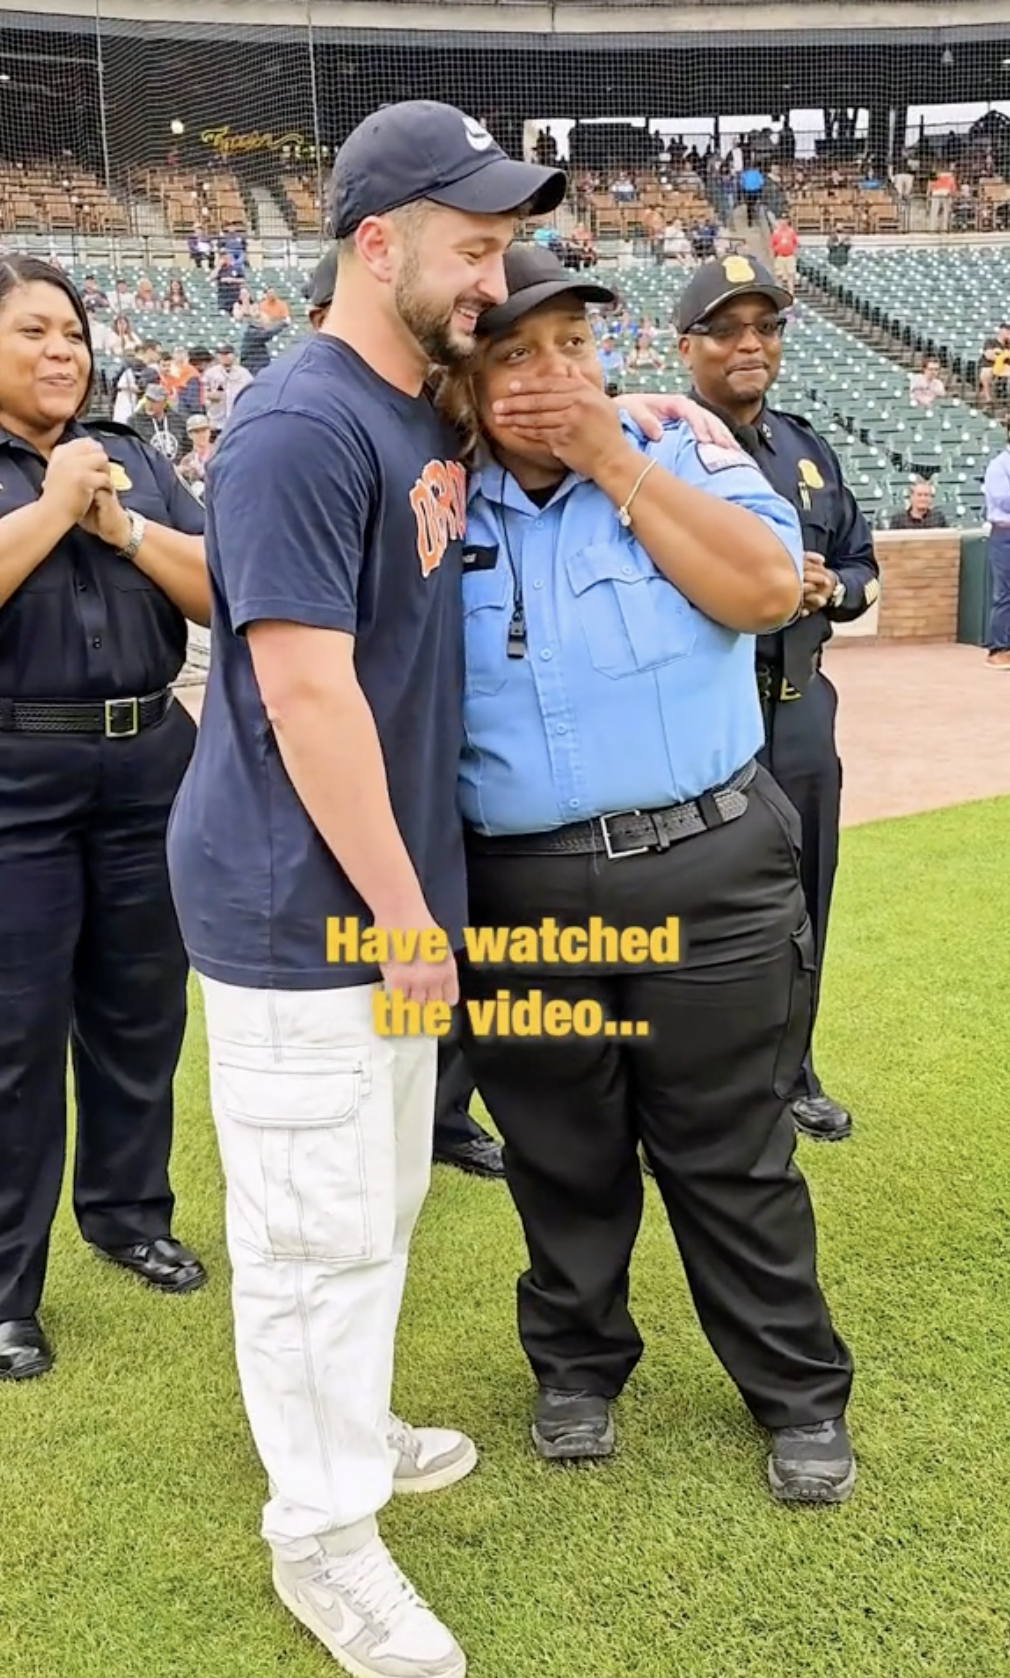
x=851, y=557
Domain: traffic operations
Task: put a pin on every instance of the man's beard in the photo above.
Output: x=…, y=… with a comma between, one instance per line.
x=430, y=324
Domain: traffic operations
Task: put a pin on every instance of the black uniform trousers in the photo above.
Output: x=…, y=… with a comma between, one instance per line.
x=90, y=953
x=705, y=1093
x=800, y=752
x=453, y=1095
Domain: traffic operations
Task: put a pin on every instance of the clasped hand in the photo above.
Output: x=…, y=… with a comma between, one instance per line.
x=78, y=482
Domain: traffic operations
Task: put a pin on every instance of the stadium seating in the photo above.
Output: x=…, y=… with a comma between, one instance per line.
x=856, y=396
x=946, y=301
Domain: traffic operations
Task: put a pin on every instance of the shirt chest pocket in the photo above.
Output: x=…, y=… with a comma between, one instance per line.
x=487, y=612
x=632, y=619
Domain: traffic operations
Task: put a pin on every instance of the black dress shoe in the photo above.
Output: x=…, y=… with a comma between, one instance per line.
x=820, y=1118
x=480, y=1157
x=165, y=1264
x=812, y=1464
x=24, y=1350
x=572, y=1426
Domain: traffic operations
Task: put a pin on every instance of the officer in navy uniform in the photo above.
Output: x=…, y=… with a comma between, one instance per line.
x=101, y=563
x=731, y=321
x=612, y=588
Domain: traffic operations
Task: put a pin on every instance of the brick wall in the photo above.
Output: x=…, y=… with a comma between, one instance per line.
x=919, y=580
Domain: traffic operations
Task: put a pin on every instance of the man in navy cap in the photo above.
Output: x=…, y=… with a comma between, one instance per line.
x=316, y=852
x=458, y=1139
x=731, y=319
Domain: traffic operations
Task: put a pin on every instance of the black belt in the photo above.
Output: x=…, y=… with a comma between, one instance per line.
x=773, y=684
x=117, y=719
x=630, y=833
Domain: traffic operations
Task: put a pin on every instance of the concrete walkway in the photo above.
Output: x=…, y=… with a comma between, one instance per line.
x=919, y=727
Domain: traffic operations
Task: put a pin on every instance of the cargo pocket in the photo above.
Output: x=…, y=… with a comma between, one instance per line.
x=795, y=1039
x=295, y=1160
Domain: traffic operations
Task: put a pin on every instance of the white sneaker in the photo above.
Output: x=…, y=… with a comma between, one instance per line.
x=367, y=1614
x=429, y=1458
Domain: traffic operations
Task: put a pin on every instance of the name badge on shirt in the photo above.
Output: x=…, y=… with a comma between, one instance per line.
x=480, y=559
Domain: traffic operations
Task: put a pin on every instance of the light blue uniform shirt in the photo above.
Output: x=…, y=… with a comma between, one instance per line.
x=628, y=697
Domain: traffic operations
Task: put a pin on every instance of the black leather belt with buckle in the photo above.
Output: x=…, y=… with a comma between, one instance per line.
x=117, y=719
x=630, y=832
x=772, y=683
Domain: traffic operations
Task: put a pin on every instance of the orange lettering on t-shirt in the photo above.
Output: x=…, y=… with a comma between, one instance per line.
x=438, y=499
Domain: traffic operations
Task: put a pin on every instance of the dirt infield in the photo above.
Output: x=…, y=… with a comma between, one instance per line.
x=919, y=727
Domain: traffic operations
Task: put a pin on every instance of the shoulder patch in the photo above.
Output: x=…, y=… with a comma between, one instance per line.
x=715, y=458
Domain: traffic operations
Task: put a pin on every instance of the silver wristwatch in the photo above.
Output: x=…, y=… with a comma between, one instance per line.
x=138, y=525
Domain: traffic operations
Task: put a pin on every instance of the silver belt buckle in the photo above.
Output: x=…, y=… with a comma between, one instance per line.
x=618, y=856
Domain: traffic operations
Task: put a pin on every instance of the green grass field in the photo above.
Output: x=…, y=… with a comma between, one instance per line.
x=131, y=1495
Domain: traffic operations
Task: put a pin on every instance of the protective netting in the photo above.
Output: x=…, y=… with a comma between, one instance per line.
x=181, y=161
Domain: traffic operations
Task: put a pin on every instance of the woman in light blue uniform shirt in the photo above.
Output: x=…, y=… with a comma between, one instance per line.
x=612, y=592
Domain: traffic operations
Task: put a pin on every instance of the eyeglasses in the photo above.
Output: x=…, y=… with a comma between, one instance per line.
x=729, y=331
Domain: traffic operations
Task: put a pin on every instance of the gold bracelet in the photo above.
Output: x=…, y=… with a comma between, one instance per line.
x=624, y=513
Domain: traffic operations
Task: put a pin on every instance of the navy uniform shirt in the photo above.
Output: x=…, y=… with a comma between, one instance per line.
x=805, y=470
x=86, y=624
x=628, y=697
x=335, y=501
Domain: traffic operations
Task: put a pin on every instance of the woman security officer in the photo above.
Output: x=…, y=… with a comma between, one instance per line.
x=101, y=563
x=612, y=591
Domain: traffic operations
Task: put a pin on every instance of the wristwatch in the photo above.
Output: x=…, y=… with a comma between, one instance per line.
x=838, y=597
x=138, y=525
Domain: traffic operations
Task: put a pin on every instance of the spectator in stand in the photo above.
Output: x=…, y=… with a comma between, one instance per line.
x=233, y=241
x=920, y=513
x=190, y=381
x=223, y=384
x=839, y=248
x=752, y=184
x=622, y=190
x=122, y=341
x=193, y=466
x=122, y=300
x=228, y=281
x=157, y=424
x=255, y=353
x=703, y=238
x=903, y=180
x=244, y=307
x=140, y=371
x=168, y=375
x=91, y=296
x=146, y=297
x=612, y=362
x=785, y=244
x=273, y=308
x=199, y=247
x=942, y=188
x=176, y=301
x=927, y=386
x=994, y=362
x=678, y=245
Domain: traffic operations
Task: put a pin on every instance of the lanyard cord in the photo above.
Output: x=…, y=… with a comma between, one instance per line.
x=516, y=644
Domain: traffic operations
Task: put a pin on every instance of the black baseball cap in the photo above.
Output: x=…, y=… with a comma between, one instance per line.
x=719, y=281
x=422, y=149
x=318, y=293
x=534, y=275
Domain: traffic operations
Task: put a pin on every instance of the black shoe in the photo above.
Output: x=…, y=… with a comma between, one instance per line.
x=812, y=1464
x=480, y=1157
x=24, y=1350
x=164, y=1264
x=572, y=1426
x=820, y=1118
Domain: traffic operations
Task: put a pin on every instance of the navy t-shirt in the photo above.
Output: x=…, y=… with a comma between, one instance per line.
x=334, y=500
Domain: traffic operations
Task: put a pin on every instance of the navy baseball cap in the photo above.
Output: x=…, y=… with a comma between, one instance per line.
x=534, y=275
x=318, y=293
x=719, y=281
x=423, y=149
